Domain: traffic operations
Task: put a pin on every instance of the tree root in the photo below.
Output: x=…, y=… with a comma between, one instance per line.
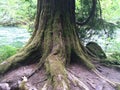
x=45, y=87
x=56, y=73
x=23, y=84
x=114, y=84
x=71, y=78
x=45, y=79
x=76, y=81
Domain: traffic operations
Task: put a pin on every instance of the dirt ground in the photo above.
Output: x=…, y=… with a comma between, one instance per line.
x=88, y=77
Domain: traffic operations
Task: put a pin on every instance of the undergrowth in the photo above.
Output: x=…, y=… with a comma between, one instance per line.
x=7, y=51
x=112, y=60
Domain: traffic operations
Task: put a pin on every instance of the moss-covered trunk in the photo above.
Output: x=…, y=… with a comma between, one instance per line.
x=52, y=43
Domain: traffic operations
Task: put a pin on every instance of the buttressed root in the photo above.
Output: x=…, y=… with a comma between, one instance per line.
x=56, y=72
x=59, y=77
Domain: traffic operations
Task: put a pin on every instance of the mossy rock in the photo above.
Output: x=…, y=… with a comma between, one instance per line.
x=95, y=49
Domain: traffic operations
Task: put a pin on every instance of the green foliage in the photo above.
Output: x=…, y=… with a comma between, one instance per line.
x=116, y=56
x=7, y=51
x=17, y=12
x=113, y=60
x=113, y=53
x=83, y=8
x=99, y=22
x=111, y=10
x=113, y=46
x=17, y=44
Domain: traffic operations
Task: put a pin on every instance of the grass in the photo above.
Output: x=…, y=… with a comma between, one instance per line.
x=7, y=51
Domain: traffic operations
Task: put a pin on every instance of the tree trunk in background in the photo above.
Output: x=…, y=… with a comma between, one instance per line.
x=53, y=43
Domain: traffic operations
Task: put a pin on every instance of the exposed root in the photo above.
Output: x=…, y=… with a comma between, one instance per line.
x=23, y=84
x=40, y=81
x=45, y=87
x=114, y=84
x=80, y=51
x=92, y=85
x=57, y=73
x=76, y=81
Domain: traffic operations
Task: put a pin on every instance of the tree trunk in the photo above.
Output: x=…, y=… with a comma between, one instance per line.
x=53, y=43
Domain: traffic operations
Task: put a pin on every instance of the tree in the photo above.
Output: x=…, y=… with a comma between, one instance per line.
x=53, y=44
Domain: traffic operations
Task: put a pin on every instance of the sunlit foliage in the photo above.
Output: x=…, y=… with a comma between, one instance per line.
x=13, y=12
x=105, y=18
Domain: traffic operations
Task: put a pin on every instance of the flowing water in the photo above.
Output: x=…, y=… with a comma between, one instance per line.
x=17, y=37
x=13, y=36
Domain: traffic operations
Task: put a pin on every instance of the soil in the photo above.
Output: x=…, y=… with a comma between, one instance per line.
x=88, y=77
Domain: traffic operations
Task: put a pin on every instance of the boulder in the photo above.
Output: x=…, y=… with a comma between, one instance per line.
x=96, y=50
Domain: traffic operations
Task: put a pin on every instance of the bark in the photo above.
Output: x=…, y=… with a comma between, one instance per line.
x=52, y=44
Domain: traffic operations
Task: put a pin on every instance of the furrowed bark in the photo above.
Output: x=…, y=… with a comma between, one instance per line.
x=54, y=28
x=52, y=43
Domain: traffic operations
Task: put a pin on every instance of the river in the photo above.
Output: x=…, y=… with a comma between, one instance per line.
x=17, y=37
x=13, y=36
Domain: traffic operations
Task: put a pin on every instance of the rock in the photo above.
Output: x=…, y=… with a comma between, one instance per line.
x=96, y=50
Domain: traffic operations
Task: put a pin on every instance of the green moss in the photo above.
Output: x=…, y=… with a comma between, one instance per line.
x=95, y=49
x=4, y=67
x=56, y=71
x=118, y=87
x=85, y=59
x=87, y=62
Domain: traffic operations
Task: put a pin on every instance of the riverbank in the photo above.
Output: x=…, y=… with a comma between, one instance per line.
x=12, y=39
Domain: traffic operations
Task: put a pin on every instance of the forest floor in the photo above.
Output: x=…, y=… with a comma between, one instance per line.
x=88, y=77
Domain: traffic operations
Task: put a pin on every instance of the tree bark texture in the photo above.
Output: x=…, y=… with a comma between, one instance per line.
x=53, y=43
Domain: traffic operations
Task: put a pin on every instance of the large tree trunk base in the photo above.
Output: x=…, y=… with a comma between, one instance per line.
x=53, y=46
x=79, y=79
